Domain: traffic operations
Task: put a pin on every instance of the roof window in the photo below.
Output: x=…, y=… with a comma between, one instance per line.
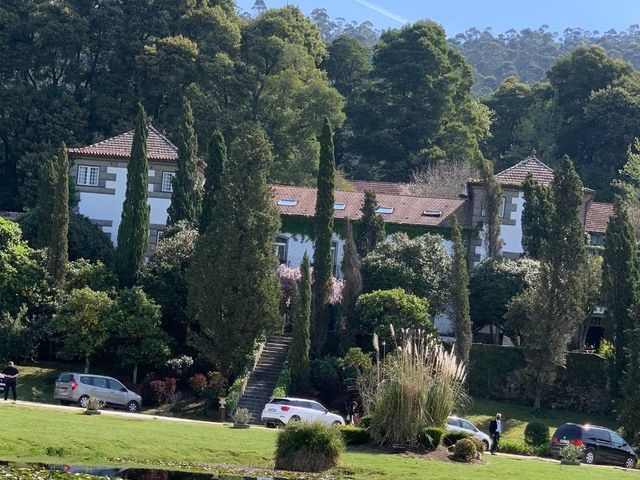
x=385, y=210
x=339, y=206
x=287, y=202
x=432, y=213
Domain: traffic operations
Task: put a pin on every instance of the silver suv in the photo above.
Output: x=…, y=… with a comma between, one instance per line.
x=79, y=387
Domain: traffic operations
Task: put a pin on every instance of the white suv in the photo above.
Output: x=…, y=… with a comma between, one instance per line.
x=281, y=411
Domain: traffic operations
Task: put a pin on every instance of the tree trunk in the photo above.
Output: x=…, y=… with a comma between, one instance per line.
x=537, y=400
x=135, y=374
x=86, y=364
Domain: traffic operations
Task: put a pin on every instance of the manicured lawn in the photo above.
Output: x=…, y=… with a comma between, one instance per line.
x=516, y=417
x=32, y=434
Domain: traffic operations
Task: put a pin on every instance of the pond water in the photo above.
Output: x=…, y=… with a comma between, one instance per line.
x=137, y=473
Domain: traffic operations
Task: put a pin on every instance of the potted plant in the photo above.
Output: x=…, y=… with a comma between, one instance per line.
x=570, y=455
x=93, y=406
x=241, y=418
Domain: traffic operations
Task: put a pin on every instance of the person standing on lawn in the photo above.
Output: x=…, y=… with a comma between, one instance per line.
x=495, y=429
x=10, y=374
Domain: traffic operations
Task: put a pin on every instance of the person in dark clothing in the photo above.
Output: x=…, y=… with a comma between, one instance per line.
x=495, y=429
x=10, y=374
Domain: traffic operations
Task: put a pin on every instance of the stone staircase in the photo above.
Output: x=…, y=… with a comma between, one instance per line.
x=265, y=375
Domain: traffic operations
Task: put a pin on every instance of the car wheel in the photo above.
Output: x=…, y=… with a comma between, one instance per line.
x=630, y=463
x=589, y=457
x=336, y=423
x=295, y=418
x=83, y=401
x=133, y=406
x=486, y=445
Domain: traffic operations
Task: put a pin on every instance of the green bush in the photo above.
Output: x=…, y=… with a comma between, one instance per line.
x=366, y=421
x=465, y=450
x=308, y=447
x=478, y=443
x=354, y=435
x=515, y=448
x=536, y=434
x=431, y=437
x=571, y=453
x=451, y=438
x=382, y=308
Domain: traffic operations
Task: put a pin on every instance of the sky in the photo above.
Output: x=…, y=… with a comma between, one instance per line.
x=456, y=16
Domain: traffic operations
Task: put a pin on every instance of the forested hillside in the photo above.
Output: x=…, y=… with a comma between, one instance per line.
x=528, y=54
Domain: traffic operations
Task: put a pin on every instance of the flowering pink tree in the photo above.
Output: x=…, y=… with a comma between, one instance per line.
x=288, y=276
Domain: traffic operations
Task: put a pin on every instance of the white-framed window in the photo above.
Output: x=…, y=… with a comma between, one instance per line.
x=384, y=210
x=88, y=175
x=287, y=202
x=159, y=236
x=167, y=181
x=501, y=212
x=281, y=249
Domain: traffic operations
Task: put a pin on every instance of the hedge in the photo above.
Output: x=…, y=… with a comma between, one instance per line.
x=497, y=372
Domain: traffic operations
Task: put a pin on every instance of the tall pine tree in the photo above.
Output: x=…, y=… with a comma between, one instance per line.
x=301, y=344
x=322, y=265
x=630, y=386
x=535, y=216
x=233, y=289
x=352, y=288
x=460, y=296
x=187, y=194
x=371, y=225
x=619, y=283
x=491, y=206
x=133, y=232
x=554, y=308
x=213, y=174
x=58, y=241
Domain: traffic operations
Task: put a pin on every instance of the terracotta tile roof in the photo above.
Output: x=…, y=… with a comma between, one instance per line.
x=597, y=217
x=516, y=175
x=159, y=147
x=407, y=210
x=385, y=188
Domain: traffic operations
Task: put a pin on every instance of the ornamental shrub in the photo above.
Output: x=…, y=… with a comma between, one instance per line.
x=478, y=443
x=536, y=434
x=431, y=437
x=354, y=435
x=451, y=438
x=198, y=382
x=571, y=453
x=308, y=447
x=465, y=450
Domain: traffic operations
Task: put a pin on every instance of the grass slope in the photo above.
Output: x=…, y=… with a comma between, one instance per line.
x=516, y=417
x=32, y=434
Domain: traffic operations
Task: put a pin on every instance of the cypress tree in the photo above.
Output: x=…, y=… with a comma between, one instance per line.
x=460, y=296
x=492, y=202
x=630, y=387
x=352, y=287
x=371, y=225
x=555, y=306
x=619, y=282
x=133, y=232
x=58, y=242
x=535, y=217
x=213, y=174
x=187, y=194
x=322, y=267
x=233, y=291
x=299, y=353
x=46, y=186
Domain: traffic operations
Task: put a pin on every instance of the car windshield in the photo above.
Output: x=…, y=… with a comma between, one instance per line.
x=468, y=425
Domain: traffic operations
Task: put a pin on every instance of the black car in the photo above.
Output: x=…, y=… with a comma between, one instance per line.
x=1, y=383
x=599, y=444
